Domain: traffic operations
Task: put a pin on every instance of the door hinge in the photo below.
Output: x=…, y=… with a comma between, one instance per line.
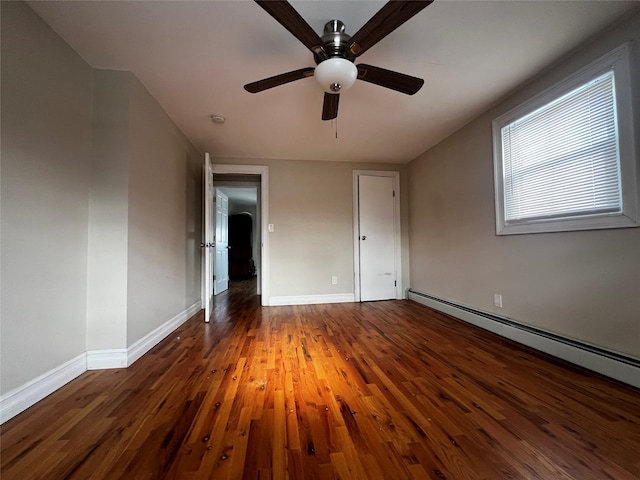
x=394, y=193
x=395, y=283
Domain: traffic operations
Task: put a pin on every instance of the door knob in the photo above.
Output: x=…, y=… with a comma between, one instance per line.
x=364, y=237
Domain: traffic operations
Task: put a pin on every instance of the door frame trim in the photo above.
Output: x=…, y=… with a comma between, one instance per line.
x=263, y=171
x=395, y=175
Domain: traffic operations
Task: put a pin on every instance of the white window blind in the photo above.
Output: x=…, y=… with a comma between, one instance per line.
x=562, y=160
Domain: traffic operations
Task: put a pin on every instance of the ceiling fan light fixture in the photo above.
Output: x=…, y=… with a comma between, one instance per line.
x=335, y=75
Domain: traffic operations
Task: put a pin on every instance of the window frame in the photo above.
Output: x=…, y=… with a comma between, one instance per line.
x=618, y=61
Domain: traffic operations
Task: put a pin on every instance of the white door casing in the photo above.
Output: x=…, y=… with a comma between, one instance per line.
x=377, y=250
x=221, y=264
x=263, y=171
x=207, y=241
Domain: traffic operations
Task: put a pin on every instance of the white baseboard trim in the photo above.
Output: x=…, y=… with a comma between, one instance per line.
x=150, y=340
x=312, y=299
x=105, y=359
x=21, y=398
x=610, y=364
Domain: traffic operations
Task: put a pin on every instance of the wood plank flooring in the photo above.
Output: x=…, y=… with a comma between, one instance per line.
x=380, y=390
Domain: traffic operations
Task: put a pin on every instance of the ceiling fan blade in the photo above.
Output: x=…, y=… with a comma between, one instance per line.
x=289, y=18
x=388, y=18
x=330, y=106
x=389, y=79
x=278, y=80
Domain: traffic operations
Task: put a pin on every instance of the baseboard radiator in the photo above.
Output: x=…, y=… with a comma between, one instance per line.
x=611, y=364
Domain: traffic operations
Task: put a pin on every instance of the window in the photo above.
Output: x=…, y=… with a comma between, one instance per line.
x=565, y=160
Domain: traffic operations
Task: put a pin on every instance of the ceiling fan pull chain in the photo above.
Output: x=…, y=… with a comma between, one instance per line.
x=335, y=126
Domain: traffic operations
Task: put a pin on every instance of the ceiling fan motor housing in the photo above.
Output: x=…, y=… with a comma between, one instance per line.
x=335, y=40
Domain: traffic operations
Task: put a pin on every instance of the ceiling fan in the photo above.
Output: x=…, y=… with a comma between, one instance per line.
x=335, y=52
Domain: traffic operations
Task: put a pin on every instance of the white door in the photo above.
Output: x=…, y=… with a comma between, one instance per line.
x=376, y=233
x=208, y=231
x=221, y=278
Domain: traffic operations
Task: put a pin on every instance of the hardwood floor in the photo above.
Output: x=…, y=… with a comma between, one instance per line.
x=380, y=390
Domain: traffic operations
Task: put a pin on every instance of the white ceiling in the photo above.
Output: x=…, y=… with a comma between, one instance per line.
x=195, y=57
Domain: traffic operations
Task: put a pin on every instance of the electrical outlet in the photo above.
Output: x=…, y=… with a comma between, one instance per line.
x=497, y=300
x=271, y=228
x=334, y=280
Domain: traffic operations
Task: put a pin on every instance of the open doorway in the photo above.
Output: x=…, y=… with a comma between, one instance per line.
x=242, y=245
x=244, y=261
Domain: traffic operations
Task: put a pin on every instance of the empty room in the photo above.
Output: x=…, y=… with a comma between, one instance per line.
x=320, y=240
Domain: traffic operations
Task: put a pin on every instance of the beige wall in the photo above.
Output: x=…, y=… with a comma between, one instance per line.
x=108, y=212
x=311, y=207
x=583, y=285
x=101, y=206
x=144, y=235
x=164, y=221
x=46, y=144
